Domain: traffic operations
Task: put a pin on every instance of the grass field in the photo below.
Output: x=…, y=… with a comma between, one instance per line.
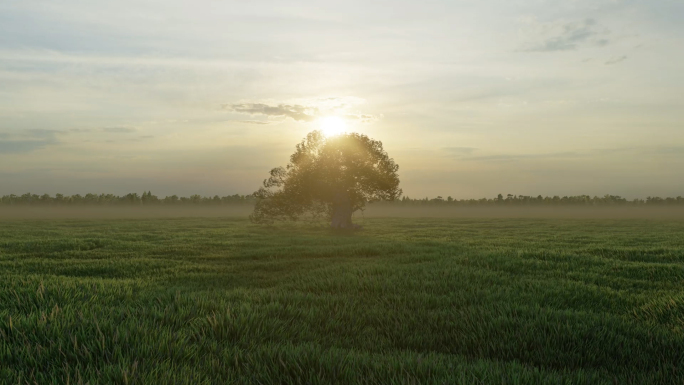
x=442, y=300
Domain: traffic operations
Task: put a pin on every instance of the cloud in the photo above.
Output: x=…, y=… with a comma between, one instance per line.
x=297, y=112
x=253, y=122
x=21, y=146
x=677, y=151
x=667, y=150
x=616, y=60
x=114, y=130
x=305, y=110
x=27, y=140
x=514, y=157
x=337, y=103
x=565, y=36
x=455, y=151
x=363, y=118
x=40, y=133
x=31, y=134
x=119, y=130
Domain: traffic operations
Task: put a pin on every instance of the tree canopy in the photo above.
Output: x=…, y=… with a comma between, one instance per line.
x=330, y=177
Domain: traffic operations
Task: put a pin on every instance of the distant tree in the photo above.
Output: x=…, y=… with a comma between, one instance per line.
x=330, y=177
x=131, y=198
x=149, y=199
x=196, y=198
x=45, y=198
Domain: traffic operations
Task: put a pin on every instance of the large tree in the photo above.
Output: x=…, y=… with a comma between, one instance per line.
x=330, y=177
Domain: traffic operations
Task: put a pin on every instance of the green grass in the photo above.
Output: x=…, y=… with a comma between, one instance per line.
x=452, y=301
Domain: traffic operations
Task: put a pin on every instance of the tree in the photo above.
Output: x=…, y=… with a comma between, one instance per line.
x=328, y=177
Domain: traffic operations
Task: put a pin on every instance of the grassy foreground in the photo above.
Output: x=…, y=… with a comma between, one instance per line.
x=453, y=301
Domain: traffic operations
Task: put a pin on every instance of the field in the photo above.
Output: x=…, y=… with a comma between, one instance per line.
x=404, y=301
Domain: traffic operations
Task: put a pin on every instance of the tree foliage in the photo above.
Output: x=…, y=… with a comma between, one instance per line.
x=325, y=172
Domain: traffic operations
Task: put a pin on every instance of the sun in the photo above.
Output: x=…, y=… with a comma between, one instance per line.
x=332, y=125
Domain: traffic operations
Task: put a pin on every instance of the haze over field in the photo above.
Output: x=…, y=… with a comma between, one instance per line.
x=470, y=98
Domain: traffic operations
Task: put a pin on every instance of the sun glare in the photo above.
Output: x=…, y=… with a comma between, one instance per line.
x=332, y=125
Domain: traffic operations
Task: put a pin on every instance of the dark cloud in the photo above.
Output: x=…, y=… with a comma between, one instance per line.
x=616, y=60
x=570, y=36
x=295, y=111
x=31, y=134
x=21, y=146
x=27, y=140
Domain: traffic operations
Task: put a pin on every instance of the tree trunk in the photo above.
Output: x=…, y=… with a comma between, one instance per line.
x=342, y=212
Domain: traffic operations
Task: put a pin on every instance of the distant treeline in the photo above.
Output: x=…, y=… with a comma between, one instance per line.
x=132, y=199
x=527, y=200
x=147, y=199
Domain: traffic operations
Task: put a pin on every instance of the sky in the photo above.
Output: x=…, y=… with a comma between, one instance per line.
x=470, y=98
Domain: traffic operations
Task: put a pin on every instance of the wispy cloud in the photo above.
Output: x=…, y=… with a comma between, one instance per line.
x=112, y=130
x=296, y=112
x=39, y=133
x=565, y=36
x=315, y=108
x=459, y=151
x=616, y=60
x=27, y=140
x=80, y=130
x=515, y=157
x=668, y=150
x=253, y=122
x=363, y=118
x=119, y=130
x=21, y=146
x=139, y=139
x=593, y=153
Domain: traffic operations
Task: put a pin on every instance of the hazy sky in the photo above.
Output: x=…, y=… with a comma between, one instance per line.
x=471, y=98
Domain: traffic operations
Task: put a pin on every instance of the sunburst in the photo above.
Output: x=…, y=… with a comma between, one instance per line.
x=332, y=125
